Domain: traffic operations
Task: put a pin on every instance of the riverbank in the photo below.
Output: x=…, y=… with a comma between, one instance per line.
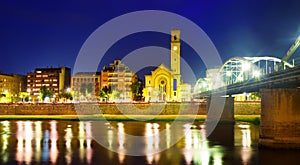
x=243, y=118
x=172, y=108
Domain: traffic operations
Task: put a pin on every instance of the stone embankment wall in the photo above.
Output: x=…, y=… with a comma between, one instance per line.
x=247, y=108
x=243, y=108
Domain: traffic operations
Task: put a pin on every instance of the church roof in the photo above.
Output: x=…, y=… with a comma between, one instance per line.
x=161, y=66
x=164, y=67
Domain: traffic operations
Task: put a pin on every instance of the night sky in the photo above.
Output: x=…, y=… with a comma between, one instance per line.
x=50, y=33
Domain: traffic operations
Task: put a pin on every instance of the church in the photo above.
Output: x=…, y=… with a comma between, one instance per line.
x=165, y=84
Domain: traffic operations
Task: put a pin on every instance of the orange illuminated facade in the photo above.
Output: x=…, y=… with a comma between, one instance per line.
x=56, y=79
x=119, y=77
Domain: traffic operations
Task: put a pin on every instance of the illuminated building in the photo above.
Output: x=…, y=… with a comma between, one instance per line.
x=119, y=77
x=165, y=84
x=56, y=79
x=12, y=84
x=82, y=81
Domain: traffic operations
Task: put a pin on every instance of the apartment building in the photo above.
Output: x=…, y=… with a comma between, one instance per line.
x=85, y=84
x=119, y=77
x=56, y=79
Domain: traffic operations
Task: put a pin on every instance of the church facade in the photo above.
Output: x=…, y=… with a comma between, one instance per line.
x=164, y=84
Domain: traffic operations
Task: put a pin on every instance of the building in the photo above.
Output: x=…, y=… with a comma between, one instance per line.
x=85, y=85
x=56, y=79
x=12, y=85
x=186, y=92
x=164, y=84
x=118, y=77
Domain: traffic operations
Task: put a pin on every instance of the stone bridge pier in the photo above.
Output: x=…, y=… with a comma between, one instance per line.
x=226, y=105
x=280, y=118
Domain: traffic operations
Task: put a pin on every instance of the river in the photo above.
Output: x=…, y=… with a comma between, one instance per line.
x=99, y=142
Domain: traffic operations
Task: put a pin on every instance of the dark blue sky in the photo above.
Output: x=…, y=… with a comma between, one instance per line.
x=50, y=33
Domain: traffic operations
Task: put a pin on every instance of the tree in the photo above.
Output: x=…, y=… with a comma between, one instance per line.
x=85, y=89
x=89, y=88
x=115, y=95
x=255, y=96
x=102, y=94
x=136, y=90
x=24, y=96
x=46, y=92
x=65, y=95
x=105, y=92
x=2, y=98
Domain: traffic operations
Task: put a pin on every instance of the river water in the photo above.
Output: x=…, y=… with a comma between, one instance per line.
x=77, y=142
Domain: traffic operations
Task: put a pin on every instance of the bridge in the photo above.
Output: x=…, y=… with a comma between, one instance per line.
x=282, y=79
x=248, y=74
x=278, y=82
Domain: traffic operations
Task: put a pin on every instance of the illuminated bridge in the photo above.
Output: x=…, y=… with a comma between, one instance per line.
x=282, y=79
x=278, y=82
x=248, y=74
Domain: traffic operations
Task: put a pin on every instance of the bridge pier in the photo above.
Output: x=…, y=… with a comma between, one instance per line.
x=280, y=118
x=227, y=113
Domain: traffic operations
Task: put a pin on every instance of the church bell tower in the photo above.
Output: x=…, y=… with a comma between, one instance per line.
x=175, y=64
x=175, y=51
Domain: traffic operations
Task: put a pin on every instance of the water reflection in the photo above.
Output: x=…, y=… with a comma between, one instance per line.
x=70, y=142
x=53, y=140
x=24, y=135
x=246, y=151
x=4, y=138
x=89, y=150
x=85, y=138
x=121, y=139
x=152, y=142
x=38, y=141
x=197, y=149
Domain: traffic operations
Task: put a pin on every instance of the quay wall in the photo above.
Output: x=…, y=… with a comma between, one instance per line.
x=240, y=108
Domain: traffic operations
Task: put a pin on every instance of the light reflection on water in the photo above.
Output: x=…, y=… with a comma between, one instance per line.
x=197, y=149
x=71, y=142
